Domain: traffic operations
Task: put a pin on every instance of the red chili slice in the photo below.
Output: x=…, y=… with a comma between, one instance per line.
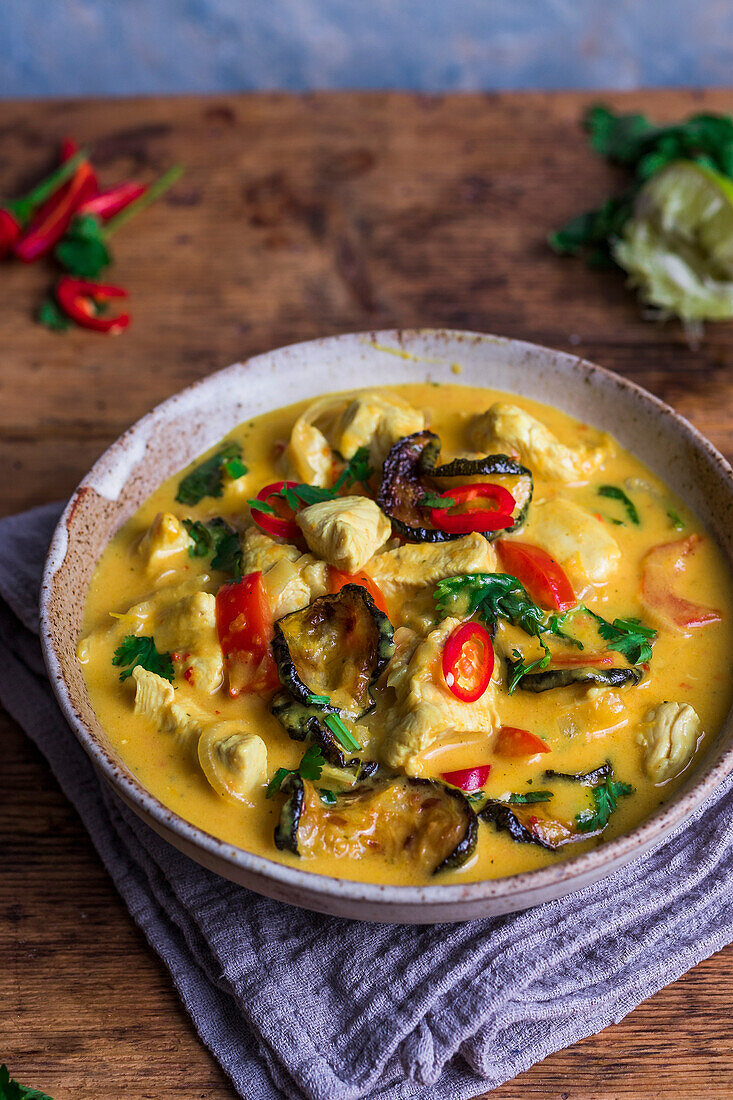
x=338, y=579
x=78, y=299
x=468, y=779
x=474, y=519
x=513, y=741
x=540, y=574
x=244, y=624
x=579, y=660
x=468, y=661
x=283, y=526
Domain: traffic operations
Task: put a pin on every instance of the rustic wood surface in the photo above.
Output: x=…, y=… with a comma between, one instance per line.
x=299, y=217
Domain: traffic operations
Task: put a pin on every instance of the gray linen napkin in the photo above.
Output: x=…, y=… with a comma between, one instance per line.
x=301, y=1005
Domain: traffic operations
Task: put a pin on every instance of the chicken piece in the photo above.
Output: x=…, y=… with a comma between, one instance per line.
x=234, y=762
x=377, y=421
x=155, y=699
x=426, y=710
x=163, y=544
x=669, y=734
x=419, y=565
x=574, y=538
x=308, y=455
x=345, y=532
x=188, y=631
x=292, y=580
x=506, y=427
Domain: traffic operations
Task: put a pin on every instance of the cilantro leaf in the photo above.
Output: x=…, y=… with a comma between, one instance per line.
x=235, y=468
x=205, y=480
x=11, y=1090
x=627, y=636
x=614, y=493
x=433, y=500
x=605, y=799
x=358, y=469
x=138, y=649
x=51, y=316
x=326, y=796
x=310, y=767
x=528, y=797
x=216, y=538
x=82, y=250
x=492, y=596
x=518, y=669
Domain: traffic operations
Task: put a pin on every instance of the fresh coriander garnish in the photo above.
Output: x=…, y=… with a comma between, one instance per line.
x=627, y=636
x=614, y=493
x=218, y=539
x=358, y=469
x=137, y=650
x=518, y=669
x=676, y=519
x=326, y=796
x=205, y=480
x=605, y=799
x=310, y=767
x=235, y=468
x=528, y=797
x=433, y=500
x=318, y=700
x=11, y=1090
x=341, y=733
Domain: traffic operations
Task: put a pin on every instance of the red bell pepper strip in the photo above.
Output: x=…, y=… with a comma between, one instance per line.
x=108, y=203
x=513, y=741
x=468, y=661
x=579, y=660
x=474, y=519
x=658, y=569
x=78, y=299
x=283, y=526
x=468, y=779
x=16, y=214
x=338, y=579
x=244, y=624
x=52, y=220
x=540, y=574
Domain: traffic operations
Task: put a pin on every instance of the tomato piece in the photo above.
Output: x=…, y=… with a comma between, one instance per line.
x=544, y=579
x=283, y=525
x=244, y=624
x=468, y=779
x=659, y=567
x=474, y=519
x=338, y=578
x=468, y=661
x=513, y=741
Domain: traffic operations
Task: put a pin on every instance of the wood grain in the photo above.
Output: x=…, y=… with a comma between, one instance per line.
x=299, y=217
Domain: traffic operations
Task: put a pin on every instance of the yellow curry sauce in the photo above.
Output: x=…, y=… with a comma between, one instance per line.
x=583, y=726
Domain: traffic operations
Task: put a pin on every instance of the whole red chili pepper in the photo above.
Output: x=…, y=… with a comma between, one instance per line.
x=16, y=214
x=79, y=299
x=108, y=203
x=52, y=221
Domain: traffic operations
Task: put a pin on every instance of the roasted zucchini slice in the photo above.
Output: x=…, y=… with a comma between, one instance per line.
x=336, y=648
x=530, y=824
x=416, y=820
x=565, y=677
x=409, y=474
x=304, y=722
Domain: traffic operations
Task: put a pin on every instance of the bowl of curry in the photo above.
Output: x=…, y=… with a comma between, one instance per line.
x=445, y=635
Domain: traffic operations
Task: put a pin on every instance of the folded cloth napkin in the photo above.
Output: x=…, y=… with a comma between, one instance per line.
x=300, y=1005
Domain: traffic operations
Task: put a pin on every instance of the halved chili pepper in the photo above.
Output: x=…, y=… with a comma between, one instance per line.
x=513, y=741
x=468, y=661
x=107, y=203
x=339, y=578
x=282, y=526
x=16, y=214
x=79, y=301
x=52, y=220
x=468, y=779
x=474, y=519
x=544, y=579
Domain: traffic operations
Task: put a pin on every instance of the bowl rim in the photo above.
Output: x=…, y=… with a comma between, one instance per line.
x=622, y=849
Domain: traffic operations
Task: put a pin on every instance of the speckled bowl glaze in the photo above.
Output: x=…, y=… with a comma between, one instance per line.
x=179, y=429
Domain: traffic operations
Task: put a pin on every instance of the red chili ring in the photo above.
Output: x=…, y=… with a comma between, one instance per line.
x=452, y=654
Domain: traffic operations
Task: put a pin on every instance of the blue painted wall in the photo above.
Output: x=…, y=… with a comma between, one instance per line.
x=83, y=47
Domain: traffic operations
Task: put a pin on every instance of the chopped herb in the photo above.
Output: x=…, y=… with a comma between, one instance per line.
x=432, y=500
x=218, y=539
x=261, y=506
x=341, y=733
x=358, y=469
x=605, y=798
x=474, y=796
x=137, y=650
x=614, y=493
x=319, y=700
x=235, y=468
x=627, y=636
x=555, y=625
x=11, y=1090
x=50, y=315
x=616, y=522
x=327, y=796
x=518, y=669
x=527, y=797
x=205, y=480
x=676, y=519
x=310, y=767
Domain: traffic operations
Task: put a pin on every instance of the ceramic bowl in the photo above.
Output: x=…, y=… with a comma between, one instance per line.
x=181, y=428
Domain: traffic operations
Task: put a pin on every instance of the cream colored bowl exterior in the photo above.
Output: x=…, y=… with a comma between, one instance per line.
x=182, y=427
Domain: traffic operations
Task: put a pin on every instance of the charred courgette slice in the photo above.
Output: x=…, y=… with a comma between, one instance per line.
x=565, y=677
x=416, y=820
x=529, y=824
x=409, y=474
x=304, y=722
x=336, y=647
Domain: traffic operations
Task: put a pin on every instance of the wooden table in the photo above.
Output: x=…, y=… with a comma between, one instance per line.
x=299, y=217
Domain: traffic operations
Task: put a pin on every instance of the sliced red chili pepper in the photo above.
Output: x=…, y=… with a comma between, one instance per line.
x=578, y=660
x=544, y=579
x=53, y=218
x=110, y=202
x=244, y=624
x=513, y=741
x=283, y=525
x=474, y=519
x=338, y=579
x=468, y=661
x=468, y=779
x=78, y=299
